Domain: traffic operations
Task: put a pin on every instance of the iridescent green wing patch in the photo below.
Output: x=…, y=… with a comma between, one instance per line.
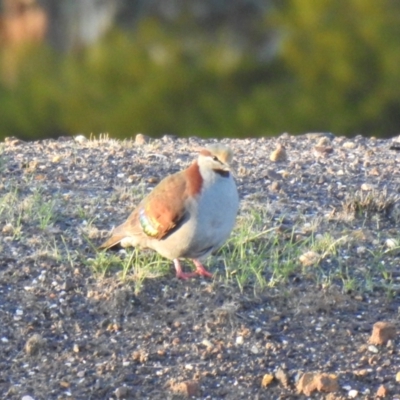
x=149, y=226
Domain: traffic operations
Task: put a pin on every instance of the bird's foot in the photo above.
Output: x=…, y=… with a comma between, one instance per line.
x=200, y=270
x=180, y=274
x=185, y=276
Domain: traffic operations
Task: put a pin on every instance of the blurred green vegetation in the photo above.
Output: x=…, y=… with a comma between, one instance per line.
x=336, y=68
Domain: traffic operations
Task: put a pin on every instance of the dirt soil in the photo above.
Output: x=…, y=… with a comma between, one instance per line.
x=67, y=334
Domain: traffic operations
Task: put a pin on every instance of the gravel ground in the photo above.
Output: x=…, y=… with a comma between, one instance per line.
x=66, y=333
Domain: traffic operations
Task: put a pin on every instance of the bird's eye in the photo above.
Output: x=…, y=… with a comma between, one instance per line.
x=215, y=158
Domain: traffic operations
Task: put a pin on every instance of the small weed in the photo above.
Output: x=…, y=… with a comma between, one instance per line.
x=257, y=255
x=45, y=214
x=134, y=267
x=370, y=202
x=11, y=213
x=350, y=285
x=39, y=209
x=8, y=202
x=141, y=265
x=104, y=263
x=81, y=211
x=2, y=159
x=86, y=214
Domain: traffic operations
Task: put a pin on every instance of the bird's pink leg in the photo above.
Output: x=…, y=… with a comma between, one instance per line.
x=179, y=273
x=200, y=270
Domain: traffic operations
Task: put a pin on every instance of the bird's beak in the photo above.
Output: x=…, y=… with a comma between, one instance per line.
x=225, y=167
x=229, y=168
x=232, y=170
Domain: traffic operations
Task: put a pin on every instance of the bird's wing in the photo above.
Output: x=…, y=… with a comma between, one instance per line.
x=163, y=209
x=157, y=214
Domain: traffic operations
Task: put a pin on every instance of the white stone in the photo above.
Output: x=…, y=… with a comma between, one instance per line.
x=254, y=349
x=206, y=343
x=366, y=187
x=239, y=340
x=353, y=393
x=80, y=139
x=373, y=349
x=391, y=243
x=361, y=249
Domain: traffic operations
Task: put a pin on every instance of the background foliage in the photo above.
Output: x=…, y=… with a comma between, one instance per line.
x=329, y=65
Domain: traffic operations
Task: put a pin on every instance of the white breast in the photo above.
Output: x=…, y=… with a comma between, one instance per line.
x=217, y=210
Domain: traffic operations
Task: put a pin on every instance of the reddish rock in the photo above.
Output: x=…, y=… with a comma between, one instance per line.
x=266, y=380
x=275, y=186
x=187, y=388
x=279, y=154
x=141, y=139
x=382, y=391
x=382, y=332
x=311, y=382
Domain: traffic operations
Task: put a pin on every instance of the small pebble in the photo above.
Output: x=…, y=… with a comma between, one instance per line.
x=8, y=228
x=391, y=243
x=373, y=349
x=382, y=391
x=168, y=138
x=275, y=186
x=206, y=343
x=349, y=145
x=266, y=380
x=309, y=258
x=361, y=250
x=80, y=139
x=141, y=139
x=34, y=344
x=121, y=392
x=353, y=393
x=254, y=350
x=366, y=187
x=279, y=154
x=239, y=340
x=382, y=332
x=176, y=341
x=56, y=159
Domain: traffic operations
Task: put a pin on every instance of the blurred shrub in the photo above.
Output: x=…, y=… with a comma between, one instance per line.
x=335, y=69
x=149, y=82
x=341, y=58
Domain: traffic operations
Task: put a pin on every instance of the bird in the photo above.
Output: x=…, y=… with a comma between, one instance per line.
x=189, y=214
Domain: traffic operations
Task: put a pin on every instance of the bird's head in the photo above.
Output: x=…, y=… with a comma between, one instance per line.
x=216, y=157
